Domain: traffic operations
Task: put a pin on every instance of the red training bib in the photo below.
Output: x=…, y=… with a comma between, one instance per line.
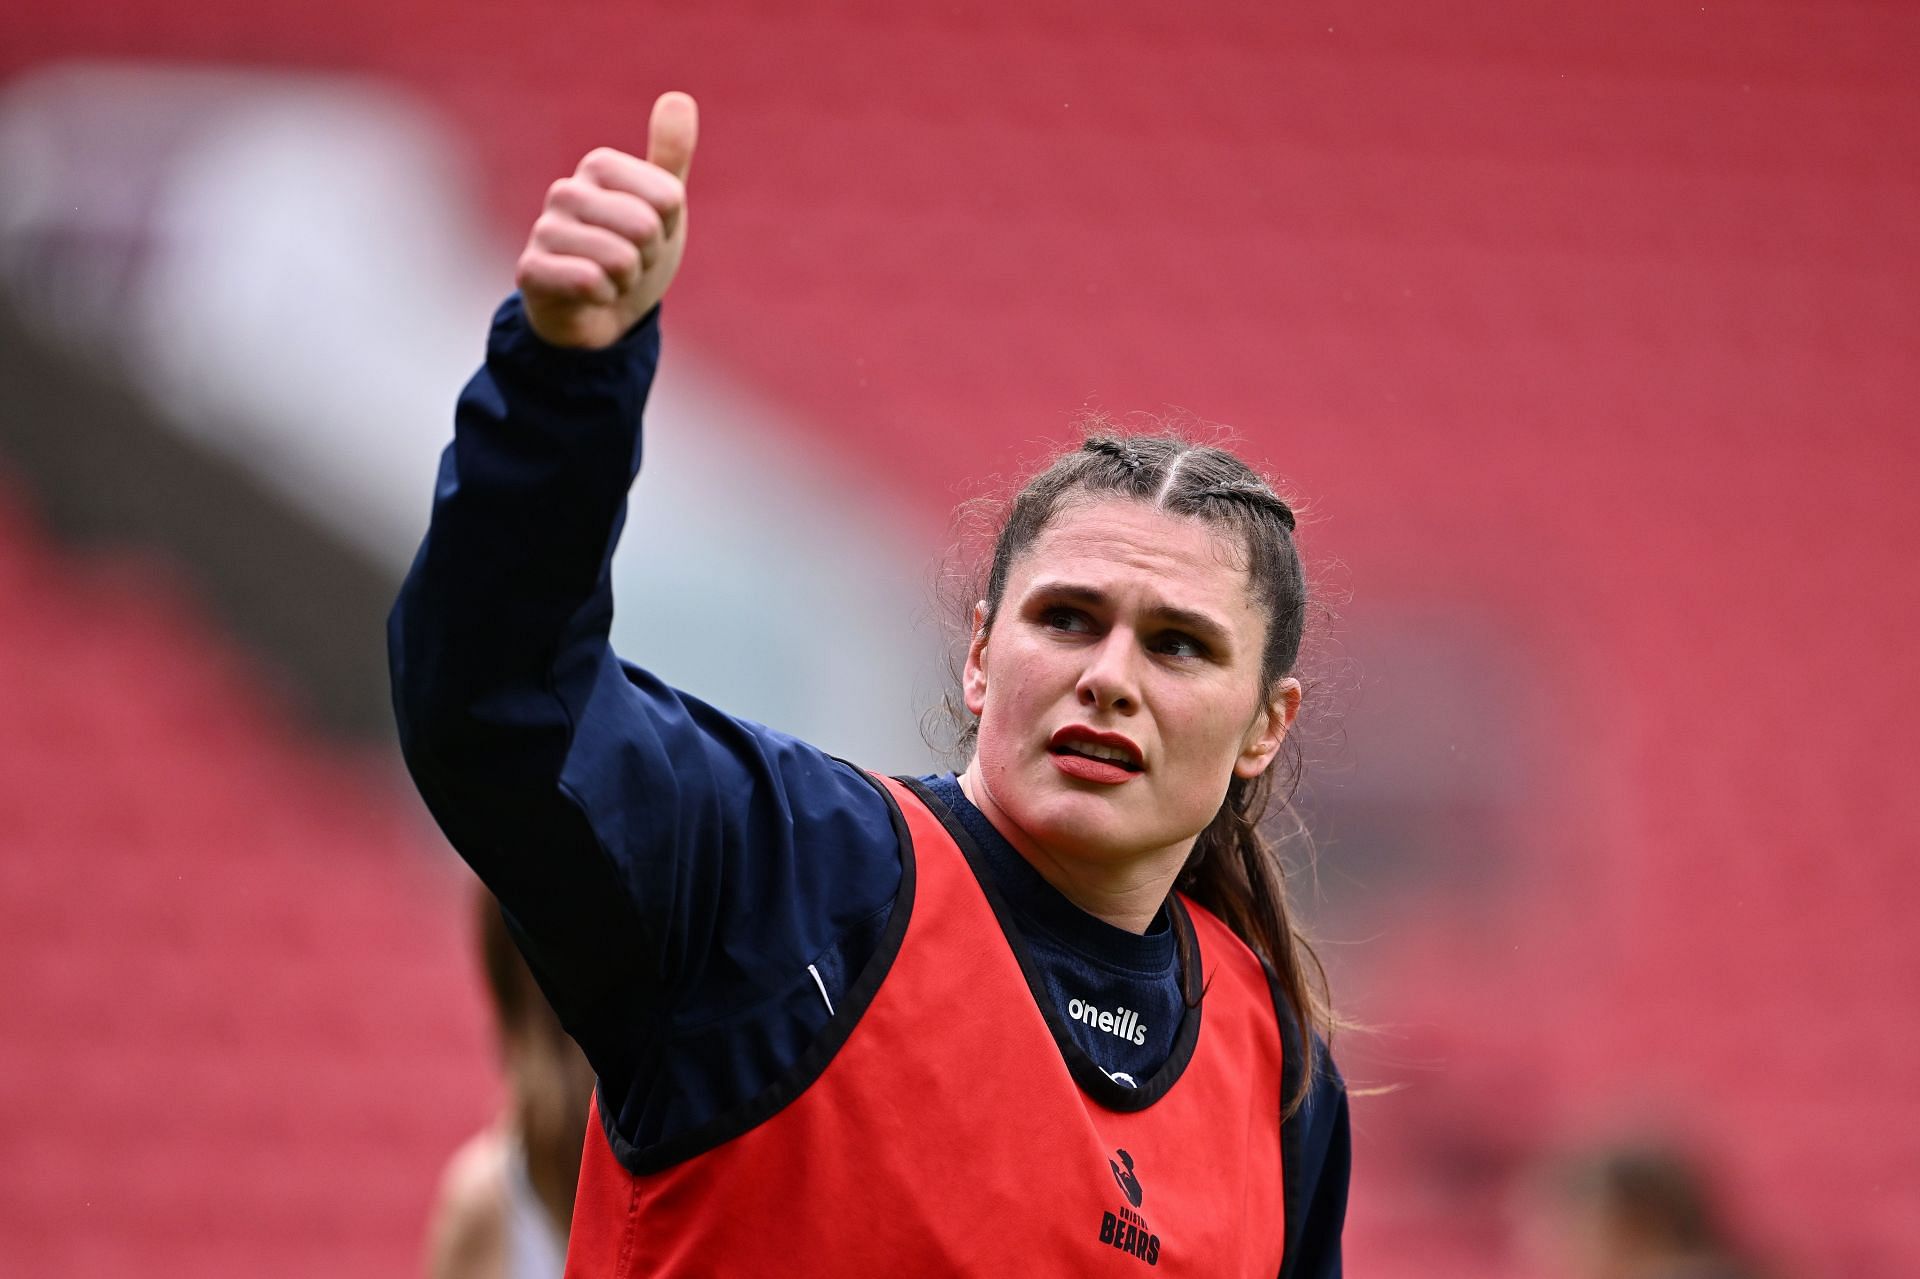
x=941, y=1126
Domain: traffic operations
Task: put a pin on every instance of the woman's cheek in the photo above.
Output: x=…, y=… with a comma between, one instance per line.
x=997, y=766
x=1199, y=752
x=1010, y=711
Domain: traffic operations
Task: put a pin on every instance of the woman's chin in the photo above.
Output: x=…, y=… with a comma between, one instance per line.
x=1082, y=824
x=1058, y=815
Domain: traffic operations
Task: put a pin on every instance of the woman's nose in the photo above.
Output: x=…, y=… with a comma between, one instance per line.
x=1110, y=680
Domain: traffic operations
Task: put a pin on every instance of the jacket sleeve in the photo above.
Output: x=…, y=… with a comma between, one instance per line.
x=1316, y=1157
x=625, y=826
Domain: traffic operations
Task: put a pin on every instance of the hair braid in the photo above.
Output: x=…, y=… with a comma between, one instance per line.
x=1121, y=450
x=1253, y=495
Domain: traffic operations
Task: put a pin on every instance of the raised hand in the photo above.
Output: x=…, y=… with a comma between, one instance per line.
x=609, y=241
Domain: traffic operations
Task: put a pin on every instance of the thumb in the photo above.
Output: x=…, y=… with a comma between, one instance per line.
x=671, y=133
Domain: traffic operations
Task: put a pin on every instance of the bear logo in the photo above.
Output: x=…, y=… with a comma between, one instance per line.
x=1128, y=1183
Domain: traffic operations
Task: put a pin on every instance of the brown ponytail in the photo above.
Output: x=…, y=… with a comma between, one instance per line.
x=1235, y=872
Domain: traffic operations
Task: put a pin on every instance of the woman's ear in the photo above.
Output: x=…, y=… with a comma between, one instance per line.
x=973, y=680
x=1269, y=728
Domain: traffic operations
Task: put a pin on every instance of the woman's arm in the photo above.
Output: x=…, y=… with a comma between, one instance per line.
x=498, y=651
x=647, y=849
x=1317, y=1156
x=467, y=1238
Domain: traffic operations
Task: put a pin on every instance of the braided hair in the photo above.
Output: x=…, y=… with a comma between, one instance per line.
x=1233, y=869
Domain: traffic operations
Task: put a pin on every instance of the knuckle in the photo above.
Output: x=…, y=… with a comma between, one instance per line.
x=537, y=273
x=599, y=163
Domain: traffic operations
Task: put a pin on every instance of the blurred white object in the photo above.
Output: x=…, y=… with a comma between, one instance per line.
x=291, y=268
x=279, y=263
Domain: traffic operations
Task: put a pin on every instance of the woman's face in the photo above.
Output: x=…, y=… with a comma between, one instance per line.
x=1119, y=691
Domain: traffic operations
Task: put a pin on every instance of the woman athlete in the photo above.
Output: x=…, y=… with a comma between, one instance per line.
x=1047, y=1016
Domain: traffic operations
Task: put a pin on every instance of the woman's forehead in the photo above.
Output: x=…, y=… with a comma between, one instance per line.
x=1122, y=542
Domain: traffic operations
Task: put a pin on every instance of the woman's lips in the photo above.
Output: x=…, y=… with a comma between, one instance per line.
x=1068, y=748
x=1103, y=771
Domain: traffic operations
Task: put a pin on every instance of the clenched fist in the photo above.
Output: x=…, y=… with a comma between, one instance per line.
x=607, y=246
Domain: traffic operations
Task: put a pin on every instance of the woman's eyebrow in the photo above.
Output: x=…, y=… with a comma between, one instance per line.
x=1204, y=626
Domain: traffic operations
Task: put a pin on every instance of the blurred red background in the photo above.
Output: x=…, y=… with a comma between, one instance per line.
x=1588, y=334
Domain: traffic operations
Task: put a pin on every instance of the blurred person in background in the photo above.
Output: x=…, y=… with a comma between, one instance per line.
x=507, y=1194
x=1048, y=1015
x=1630, y=1211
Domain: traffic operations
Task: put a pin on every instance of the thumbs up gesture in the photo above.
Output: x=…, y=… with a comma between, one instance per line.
x=606, y=247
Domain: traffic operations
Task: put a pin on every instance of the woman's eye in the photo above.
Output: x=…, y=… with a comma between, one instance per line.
x=1063, y=619
x=1177, y=645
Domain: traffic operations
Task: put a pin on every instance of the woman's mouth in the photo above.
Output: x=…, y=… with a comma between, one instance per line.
x=1107, y=758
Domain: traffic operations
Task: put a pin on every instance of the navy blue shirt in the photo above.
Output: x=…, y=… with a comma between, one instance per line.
x=1090, y=967
x=693, y=891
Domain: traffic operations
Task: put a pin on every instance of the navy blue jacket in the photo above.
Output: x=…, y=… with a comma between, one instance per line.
x=693, y=891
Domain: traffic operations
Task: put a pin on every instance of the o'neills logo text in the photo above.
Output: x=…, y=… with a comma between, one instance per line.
x=1124, y=1228
x=1125, y=1023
